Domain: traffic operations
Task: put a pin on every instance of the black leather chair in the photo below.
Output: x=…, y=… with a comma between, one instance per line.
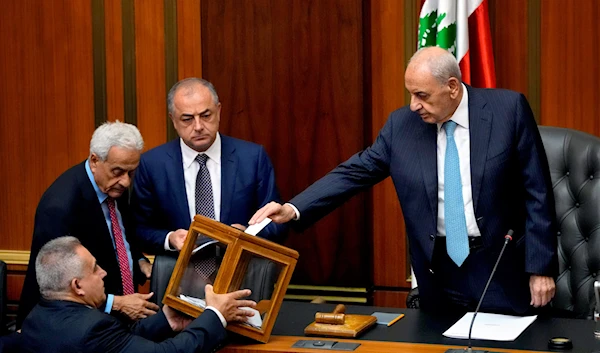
x=574, y=159
x=260, y=277
x=3, y=299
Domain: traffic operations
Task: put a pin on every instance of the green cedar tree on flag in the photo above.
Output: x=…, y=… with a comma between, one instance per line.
x=462, y=27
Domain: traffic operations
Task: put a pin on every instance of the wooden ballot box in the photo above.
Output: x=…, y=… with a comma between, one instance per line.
x=230, y=259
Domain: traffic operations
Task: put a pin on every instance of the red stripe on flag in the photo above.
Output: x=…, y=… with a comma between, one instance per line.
x=479, y=60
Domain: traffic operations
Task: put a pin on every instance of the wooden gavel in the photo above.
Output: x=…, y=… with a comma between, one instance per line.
x=337, y=317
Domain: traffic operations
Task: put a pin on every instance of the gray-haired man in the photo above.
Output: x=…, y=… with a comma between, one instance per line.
x=90, y=202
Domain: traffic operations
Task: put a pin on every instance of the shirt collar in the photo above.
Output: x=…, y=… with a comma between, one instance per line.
x=461, y=115
x=188, y=155
x=101, y=196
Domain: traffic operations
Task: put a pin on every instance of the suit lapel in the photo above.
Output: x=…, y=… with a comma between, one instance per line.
x=480, y=127
x=176, y=179
x=229, y=166
x=428, y=162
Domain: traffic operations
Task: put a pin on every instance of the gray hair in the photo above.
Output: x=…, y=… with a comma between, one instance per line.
x=115, y=134
x=189, y=83
x=56, y=265
x=442, y=67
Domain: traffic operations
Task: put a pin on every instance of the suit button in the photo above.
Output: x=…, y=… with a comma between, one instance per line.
x=431, y=271
x=431, y=236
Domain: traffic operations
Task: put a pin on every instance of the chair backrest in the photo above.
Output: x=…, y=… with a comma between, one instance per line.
x=574, y=159
x=260, y=277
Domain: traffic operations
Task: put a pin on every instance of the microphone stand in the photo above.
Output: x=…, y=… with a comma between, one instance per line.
x=507, y=238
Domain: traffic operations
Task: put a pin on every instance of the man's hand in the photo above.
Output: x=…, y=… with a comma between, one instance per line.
x=277, y=212
x=177, y=320
x=135, y=306
x=542, y=290
x=229, y=305
x=146, y=267
x=177, y=238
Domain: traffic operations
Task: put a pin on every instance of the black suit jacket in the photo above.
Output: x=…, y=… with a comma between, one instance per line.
x=64, y=326
x=70, y=207
x=510, y=183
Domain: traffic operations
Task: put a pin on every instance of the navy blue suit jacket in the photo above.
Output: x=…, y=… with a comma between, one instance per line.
x=159, y=199
x=511, y=189
x=70, y=207
x=62, y=326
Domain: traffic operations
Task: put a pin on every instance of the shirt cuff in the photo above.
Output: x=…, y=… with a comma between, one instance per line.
x=295, y=211
x=221, y=317
x=109, y=302
x=167, y=245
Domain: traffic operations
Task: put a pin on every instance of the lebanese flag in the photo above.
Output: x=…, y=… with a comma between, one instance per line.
x=463, y=28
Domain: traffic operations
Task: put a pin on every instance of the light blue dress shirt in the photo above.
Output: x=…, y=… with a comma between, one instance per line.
x=101, y=198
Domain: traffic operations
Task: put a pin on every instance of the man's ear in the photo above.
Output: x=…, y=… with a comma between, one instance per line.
x=454, y=86
x=76, y=287
x=94, y=159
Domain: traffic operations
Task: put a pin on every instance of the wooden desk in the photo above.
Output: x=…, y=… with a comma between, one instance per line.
x=418, y=332
x=283, y=344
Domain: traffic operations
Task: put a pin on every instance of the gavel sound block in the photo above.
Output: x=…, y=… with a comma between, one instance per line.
x=339, y=324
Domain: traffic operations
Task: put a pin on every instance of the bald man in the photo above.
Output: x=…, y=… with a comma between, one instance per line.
x=468, y=164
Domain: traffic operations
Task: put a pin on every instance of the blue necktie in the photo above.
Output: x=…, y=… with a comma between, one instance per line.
x=457, y=242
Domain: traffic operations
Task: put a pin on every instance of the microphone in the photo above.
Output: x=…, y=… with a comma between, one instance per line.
x=507, y=238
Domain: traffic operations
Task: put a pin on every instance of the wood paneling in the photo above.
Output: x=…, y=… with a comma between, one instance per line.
x=189, y=48
x=290, y=77
x=390, y=299
x=46, y=104
x=113, y=37
x=150, y=71
x=508, y=19
x=384, y=53
x=570, y=70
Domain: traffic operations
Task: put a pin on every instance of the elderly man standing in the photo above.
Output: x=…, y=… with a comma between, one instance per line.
x=72, y=287
x=90, y=202
x=468, y=164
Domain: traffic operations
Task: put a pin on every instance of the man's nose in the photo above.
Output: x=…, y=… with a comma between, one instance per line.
x=414, y=104
x=198, y=125
x=125, y=180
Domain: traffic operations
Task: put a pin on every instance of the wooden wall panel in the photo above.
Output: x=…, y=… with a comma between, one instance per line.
x=385, y=67
x=391, y=299
x=570, y=70
x=150, y=71
x=290, y=77
x=189, y=48
x=46, y=104
x=508, y=19
x=113, y=28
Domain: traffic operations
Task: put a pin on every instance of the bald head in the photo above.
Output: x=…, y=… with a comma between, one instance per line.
x=434, y=82
x=438, y=62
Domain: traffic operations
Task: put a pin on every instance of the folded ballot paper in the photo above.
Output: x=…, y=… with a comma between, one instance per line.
x=493, y=327
x=252, y=230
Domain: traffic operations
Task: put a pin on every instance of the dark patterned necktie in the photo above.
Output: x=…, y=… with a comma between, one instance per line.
x=205, y=206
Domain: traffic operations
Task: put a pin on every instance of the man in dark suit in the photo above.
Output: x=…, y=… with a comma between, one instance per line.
x=468, y=165
x=66, y=319
x=90, y=201
x=201, y=172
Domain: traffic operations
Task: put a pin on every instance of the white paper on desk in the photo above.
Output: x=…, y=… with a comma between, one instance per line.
x=493, y=327
x=255, y=228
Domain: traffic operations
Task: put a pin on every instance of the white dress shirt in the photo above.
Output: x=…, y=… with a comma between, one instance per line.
x=190, y=173
x=462, y=140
